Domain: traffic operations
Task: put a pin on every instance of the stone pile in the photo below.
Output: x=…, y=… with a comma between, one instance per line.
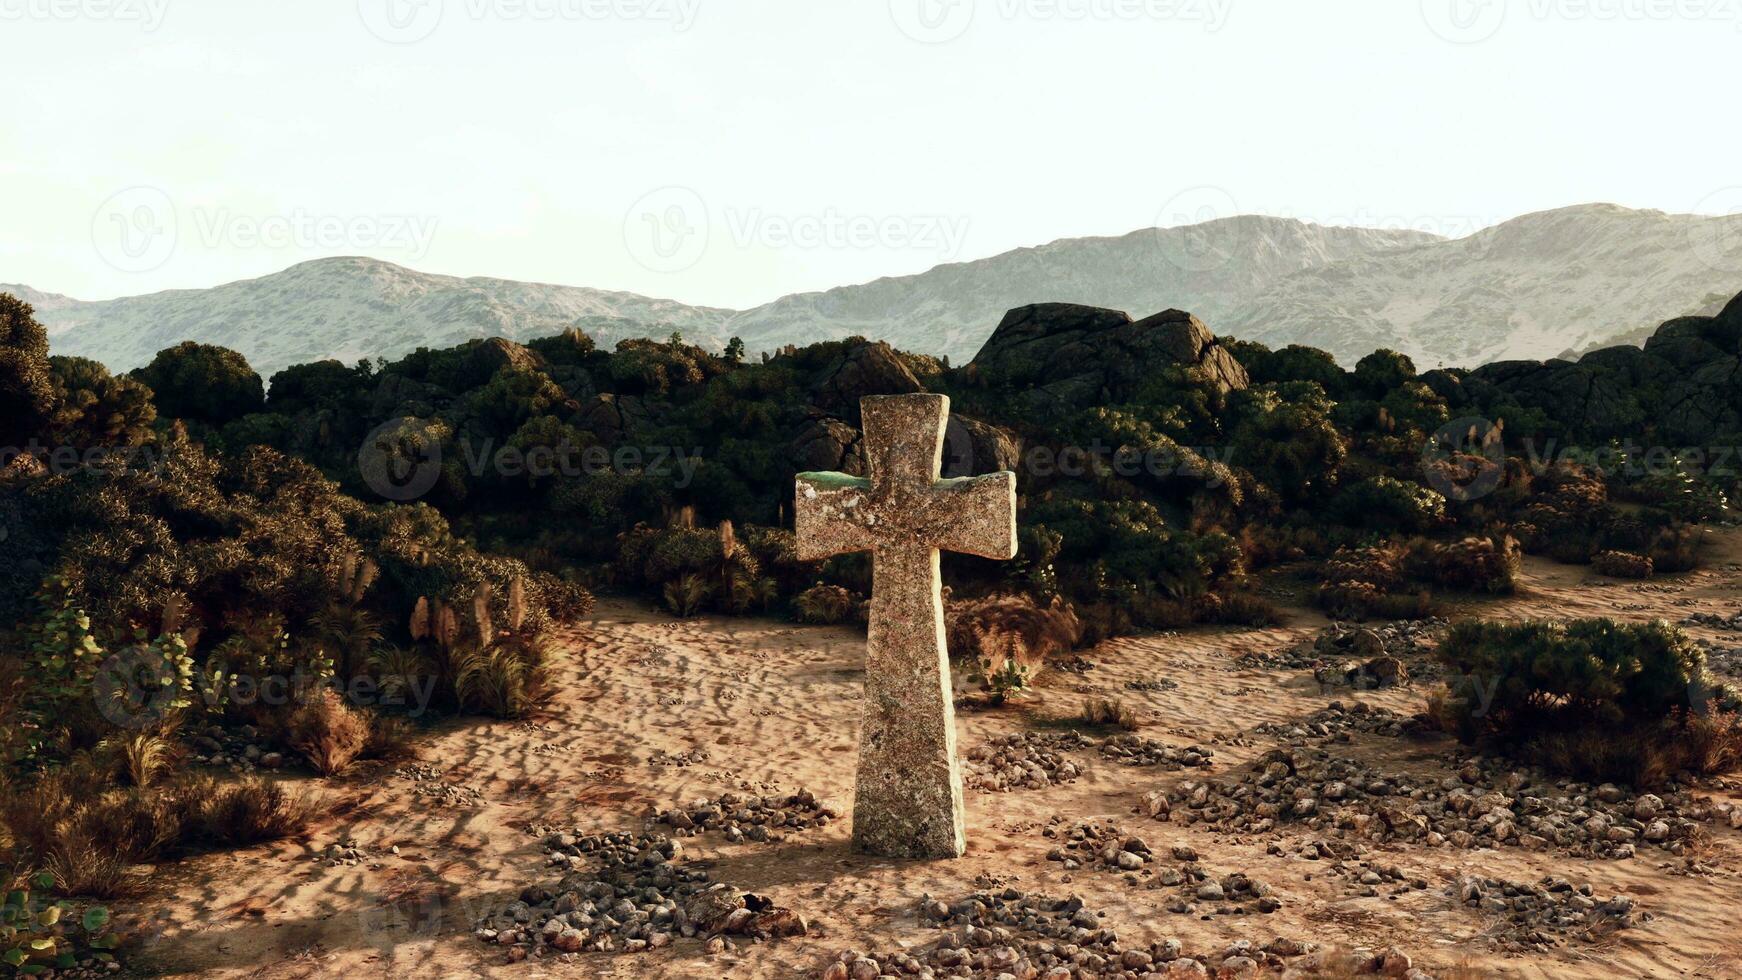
x=1131, y=750
x=1023, y=761
x=1366, y=879
x=1732, y=624
x=763, y=819
x=1549, y=913
x=241, y=750
x=629, y=893
x=1485, y=804
x=1378, y=652
x=1339, y=722
x=1014, y=934
x=1102, y=846
x=430, y=784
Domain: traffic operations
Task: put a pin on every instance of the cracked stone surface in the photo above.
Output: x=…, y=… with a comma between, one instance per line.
x=908, y=801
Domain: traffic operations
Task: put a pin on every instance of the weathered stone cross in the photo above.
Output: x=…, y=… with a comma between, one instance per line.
x=909, y=797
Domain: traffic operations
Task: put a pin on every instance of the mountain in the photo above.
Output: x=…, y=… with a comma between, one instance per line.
x=1208, y=269
x=1527, y=289
x=352, y=308
x=1530, y=288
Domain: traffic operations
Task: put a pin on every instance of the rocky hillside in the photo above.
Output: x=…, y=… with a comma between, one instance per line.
x=353, y=308
x=1533, y=287
x=1209, y=269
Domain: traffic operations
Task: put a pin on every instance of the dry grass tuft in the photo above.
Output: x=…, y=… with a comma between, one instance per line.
x=1106, y=712
x=328, y=732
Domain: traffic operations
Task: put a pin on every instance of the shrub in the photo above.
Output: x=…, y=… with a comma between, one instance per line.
x=1243, y=609
x=328, y=732
x=1380, y=567
x=509, y=679
x=1362, y=601
x=1621, y=564
x=240, y=813
x=1621, y=700
x=1098, y=712
x=1485, y=564
x=1386, y=503
x=1677, y=548
x=687, y=594
x=826, y=605
x=1008, y=639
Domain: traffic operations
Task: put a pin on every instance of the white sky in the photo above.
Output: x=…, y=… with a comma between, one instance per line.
x=804, y=144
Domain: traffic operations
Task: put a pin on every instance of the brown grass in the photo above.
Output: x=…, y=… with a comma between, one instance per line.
x=1702, y=743
x=1106, y=712
x=328, y=732
x=1012, y=628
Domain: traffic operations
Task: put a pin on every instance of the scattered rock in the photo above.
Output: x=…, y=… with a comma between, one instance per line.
x=764, y=819
x=629, y=893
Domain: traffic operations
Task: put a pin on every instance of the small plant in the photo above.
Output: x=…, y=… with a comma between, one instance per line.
x=38, y=937
x=1004, y=678
x=328, y=732
x=509, y=680
x=146, y=757
x=826, y=605
x=1621, y=564
x=688, y=593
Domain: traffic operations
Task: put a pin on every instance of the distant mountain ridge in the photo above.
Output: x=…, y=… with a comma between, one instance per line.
x=1530, y=288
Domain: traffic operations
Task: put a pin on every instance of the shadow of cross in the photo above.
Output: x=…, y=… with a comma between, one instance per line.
x=908, y=801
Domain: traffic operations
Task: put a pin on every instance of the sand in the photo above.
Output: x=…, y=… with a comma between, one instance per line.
x=655, y=711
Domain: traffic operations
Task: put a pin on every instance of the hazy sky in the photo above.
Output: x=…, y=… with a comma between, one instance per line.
x=730, y=151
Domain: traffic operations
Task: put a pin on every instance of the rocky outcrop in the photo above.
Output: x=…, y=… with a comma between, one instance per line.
x=867, y=369
x=828, y=445
x=1684, y=386
x=1071, y=356
x=611, y=417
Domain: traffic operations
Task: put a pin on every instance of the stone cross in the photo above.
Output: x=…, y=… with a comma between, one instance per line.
x=908, y=802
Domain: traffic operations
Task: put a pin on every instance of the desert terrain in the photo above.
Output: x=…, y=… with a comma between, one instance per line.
x=656, y=713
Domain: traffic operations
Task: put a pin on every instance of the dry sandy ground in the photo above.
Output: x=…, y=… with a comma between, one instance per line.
x=764, y=707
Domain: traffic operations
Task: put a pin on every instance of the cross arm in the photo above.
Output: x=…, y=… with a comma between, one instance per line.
x=830, y=515
x=983, y=510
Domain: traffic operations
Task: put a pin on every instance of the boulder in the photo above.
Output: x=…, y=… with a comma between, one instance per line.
x=828, y=445
x=611, y=417
x=867, y=369
x=1070, y=356
x=975, y=448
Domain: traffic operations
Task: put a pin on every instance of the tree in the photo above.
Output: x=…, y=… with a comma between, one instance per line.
x=735, y=350
x=26, y=389
x=95, y=409
x=1383, y=370
x=203, y=383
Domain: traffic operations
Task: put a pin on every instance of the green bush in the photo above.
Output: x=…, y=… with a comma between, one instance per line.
x=1547, y=676
x=1389, y=504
